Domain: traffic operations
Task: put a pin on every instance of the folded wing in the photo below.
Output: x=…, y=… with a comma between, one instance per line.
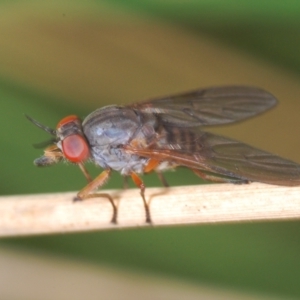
x=222, y=156
x=211, y=106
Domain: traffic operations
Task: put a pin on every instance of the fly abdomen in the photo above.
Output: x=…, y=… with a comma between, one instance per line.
x=182, y=139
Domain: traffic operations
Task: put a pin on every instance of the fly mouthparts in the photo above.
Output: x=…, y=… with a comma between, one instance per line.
x=45, y=161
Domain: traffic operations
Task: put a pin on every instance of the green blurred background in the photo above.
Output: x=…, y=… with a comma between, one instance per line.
x=71, y=57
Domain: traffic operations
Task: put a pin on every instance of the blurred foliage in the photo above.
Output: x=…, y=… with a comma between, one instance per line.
x=267, y=29
x=71, y=57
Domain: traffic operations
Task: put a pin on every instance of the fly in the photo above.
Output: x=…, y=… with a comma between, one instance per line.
x=164, y=133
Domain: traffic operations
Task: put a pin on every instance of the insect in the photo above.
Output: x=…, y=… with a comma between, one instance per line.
x=164, y=133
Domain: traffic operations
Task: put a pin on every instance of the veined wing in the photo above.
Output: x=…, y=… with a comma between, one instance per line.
x=210, y=106
x=221, y=156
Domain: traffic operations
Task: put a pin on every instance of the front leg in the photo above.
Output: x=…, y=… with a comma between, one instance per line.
x=139, y=183
x=99, y=181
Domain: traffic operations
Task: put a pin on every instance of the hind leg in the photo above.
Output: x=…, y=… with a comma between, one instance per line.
x=220, y=179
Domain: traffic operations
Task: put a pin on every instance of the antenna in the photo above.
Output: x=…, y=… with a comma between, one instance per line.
x=38, y=124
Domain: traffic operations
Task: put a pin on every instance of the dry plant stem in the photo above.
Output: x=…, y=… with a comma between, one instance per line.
x=213, y=203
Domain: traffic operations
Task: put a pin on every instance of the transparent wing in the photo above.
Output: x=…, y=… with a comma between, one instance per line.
x=219, y=155
x=211, y=106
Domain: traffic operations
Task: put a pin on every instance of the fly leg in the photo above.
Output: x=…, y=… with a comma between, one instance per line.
x=139, y=183
x=99, y=181
x=162, y=179
x=85, y=172
x=219, y=178
x=125, y=182
x=151, y=165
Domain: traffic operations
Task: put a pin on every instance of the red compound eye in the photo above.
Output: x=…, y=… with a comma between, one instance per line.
x=75, y=148
x=66, y=120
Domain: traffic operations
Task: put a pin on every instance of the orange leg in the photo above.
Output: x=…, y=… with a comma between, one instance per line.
x=85, y=193
x=85, y=172
x=139, y=182
x=152, y=164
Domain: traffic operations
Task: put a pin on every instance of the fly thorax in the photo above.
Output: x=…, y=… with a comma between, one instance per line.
x=110, y=126
x=107, y=130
